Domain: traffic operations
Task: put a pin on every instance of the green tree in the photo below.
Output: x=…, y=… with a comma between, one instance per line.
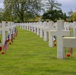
x=54, y=15
x=64, y=16
x=73, y=16
x=20, y=8
x=1, y=14
x=70, y=13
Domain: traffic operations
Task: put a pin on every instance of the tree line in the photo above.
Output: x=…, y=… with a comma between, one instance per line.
x=29, y=10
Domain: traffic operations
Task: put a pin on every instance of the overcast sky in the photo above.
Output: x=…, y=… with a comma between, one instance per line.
x=67, y=5
x=1, y=3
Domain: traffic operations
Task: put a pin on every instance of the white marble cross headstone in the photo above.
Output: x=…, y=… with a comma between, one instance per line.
x=60, y=32
x=51, y=43
x=45, y=32
x=38, y=27
x=41, y=29
x=4, y=29
x=74, y=28
x=9, y=29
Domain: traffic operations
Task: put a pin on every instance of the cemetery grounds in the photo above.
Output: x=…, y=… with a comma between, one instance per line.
x=30, y=55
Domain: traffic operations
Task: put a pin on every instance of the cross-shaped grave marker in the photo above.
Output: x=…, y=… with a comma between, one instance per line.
x=41, y=29
x=74, y=28
x=45, y=32
x=4, y=29
x=9, y=28
x=38, y=28
x=51, y=43
x=60, y=32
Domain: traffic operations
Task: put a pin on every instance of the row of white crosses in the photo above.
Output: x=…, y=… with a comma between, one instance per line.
x=66, y=25
x=40, y=28
x=9, y=28
x=60, y=32
x=43, y=28
x=73, y=25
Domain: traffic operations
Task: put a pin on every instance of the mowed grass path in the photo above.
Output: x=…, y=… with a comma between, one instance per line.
x=30, y=55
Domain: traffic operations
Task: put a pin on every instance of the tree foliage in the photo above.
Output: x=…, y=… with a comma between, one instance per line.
x=74, y=16
x=1, y=14
x=52, y=4
x=20, y=9
x=54, y=15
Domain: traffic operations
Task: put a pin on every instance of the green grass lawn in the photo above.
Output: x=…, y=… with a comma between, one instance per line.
x=30, y=55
